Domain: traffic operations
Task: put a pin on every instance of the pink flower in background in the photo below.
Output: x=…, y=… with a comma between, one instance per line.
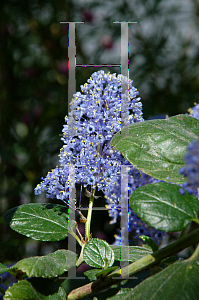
x=87, y=15
x=107, y=42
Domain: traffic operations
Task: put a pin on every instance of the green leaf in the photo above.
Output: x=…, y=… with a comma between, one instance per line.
x=3, y=268
x=158, y=147
x=179, y=281
x=35, y=289
x=98, y=254
x=105, y=272
x=94, y=273
x=131, y=253
x=44, y=222
x=91, y=274
x=161, y=206
x=149, y=242
x=50, y=265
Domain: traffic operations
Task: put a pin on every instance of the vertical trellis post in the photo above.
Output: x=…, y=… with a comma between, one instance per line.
x=124, y=66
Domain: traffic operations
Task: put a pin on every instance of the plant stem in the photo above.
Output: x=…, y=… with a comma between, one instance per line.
x=136, y=267
x=89, y=215
x=76, y=237
x=195, y=255
x=196, y=220
x=80, y=259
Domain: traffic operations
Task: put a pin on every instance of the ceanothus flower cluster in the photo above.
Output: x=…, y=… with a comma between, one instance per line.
x=191, y=168
x=95, y=116
x=86, y=156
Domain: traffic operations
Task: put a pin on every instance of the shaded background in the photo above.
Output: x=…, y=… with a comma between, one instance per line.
x=164, y=65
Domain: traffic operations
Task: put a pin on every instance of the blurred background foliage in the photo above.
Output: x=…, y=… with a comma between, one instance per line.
x=164, y=65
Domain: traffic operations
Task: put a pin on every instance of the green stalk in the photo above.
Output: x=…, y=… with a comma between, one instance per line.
x=80, y=259
x=76, y=237
x=142, y=264
x=89, y=215
x=196, y=220
x=195, y=255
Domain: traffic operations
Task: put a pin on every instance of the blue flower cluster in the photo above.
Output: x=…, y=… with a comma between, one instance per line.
x=191, y=169
x=86, y=156
x=94, y=118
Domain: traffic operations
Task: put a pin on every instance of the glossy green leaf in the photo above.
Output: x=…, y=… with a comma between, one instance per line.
x=131, y=253
x=161, y=206
x=3, y=268
x=50, y=265
x=91, y=274
x=149, y=242
x=44, y=222
x=105, y=272
x=35, y=289
x=179, y=281
x=98, y=254
x=157, y=147
x=94, y=273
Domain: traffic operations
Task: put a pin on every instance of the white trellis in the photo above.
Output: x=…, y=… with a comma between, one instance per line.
x=124, y=70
